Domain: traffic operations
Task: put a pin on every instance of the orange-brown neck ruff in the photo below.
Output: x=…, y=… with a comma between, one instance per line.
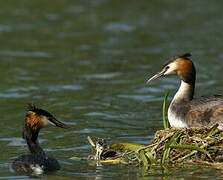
x=187, y=73
x=186, y=70
x=31, y=129
x=34, y=121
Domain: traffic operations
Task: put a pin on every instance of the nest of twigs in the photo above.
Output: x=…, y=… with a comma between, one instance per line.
x=183, y=145
x=173, y=146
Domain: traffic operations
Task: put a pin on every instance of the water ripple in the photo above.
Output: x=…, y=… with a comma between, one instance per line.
x=88, y=131
x=145, y=90
x=18, y=92
x=141, y=98
x=5, y=28
x=22, y=89
x=102, y=114
x=84, y=147
x=119, y=27
x=102, y=76
x=71, y=87
x=14, y=141
x=13, y=95
x=25, y=54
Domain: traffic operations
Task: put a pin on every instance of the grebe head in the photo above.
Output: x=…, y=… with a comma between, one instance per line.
x=37, y=118
x=179, y=65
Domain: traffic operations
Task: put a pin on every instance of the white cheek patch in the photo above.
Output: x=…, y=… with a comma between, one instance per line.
x=45, y=121
x=172, y=69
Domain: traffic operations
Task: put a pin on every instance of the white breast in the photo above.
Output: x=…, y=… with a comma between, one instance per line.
x=36, y=169
x=175, y=121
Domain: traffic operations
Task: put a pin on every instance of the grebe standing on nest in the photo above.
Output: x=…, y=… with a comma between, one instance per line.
x=185, y=111
x=38, y=161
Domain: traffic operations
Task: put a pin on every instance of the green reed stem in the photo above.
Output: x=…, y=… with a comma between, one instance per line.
x=164, y=111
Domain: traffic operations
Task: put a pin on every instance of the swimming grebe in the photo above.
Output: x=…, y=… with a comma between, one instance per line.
x=184, y=111
x=38, y=161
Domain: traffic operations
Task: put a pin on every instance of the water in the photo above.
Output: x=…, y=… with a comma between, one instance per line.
x=87, y=62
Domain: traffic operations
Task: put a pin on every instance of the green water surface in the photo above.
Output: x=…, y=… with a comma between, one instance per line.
x=87, y=62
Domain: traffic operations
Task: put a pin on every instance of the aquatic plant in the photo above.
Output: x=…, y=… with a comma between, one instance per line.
x=164, y=111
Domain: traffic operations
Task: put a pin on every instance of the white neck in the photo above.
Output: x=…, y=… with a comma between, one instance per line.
x=184, y=92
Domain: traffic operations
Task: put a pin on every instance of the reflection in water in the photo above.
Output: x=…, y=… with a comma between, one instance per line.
x=99, y=171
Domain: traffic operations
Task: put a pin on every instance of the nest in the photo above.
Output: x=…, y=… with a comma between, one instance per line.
x=169, y=146
x=183, y=145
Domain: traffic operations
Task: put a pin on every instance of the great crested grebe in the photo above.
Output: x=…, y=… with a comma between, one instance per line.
x=38, y=161
x=185, y=111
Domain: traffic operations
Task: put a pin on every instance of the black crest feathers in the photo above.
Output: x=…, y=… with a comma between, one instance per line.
x=41, y=112
x=31, y=107
x=186, y=55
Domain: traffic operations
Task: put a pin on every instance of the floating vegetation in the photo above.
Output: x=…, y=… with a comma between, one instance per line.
x=168, y=146
x=103, y=153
